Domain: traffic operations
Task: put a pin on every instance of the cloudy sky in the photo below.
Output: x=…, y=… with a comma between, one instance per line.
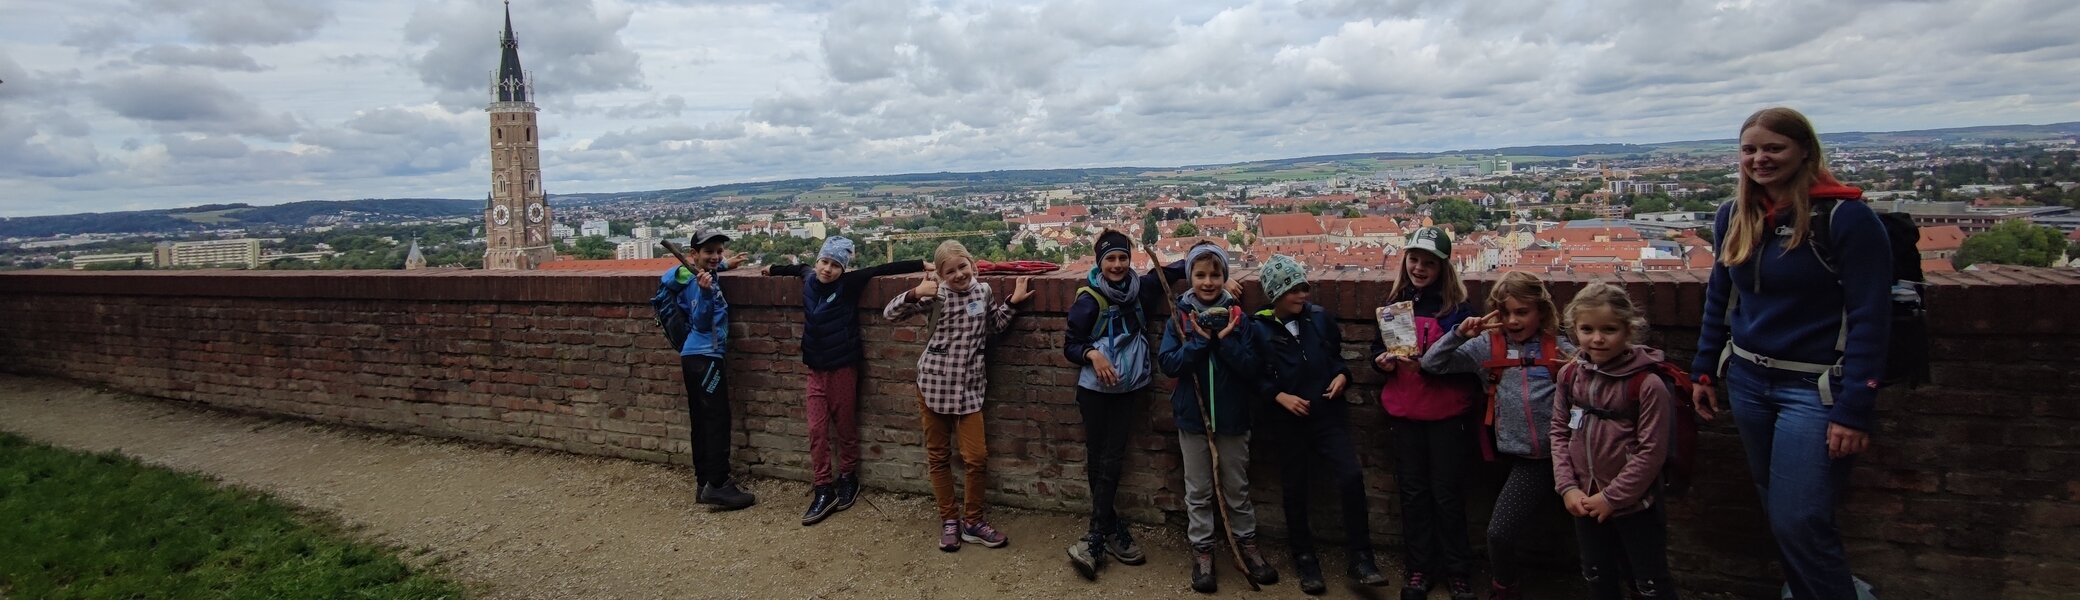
x=129, y=104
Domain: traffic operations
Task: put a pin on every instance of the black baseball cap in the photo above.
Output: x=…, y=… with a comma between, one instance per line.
x=705, y=236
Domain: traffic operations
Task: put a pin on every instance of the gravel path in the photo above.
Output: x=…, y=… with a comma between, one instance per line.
x=530, y=524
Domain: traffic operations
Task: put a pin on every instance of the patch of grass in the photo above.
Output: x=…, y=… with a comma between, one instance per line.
x=76, y=525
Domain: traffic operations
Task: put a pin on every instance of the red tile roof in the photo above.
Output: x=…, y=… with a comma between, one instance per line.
x=1288, y=225
x=1941, y=237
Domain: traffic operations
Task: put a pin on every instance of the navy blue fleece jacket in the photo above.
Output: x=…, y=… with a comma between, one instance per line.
x=1792, y=306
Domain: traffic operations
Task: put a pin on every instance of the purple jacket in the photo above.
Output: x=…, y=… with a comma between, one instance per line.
x=1621, y=459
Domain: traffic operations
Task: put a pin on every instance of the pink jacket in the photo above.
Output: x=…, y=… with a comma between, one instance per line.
x=1619, y=458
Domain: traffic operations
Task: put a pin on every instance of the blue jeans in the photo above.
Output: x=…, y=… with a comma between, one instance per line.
x=1783, y=428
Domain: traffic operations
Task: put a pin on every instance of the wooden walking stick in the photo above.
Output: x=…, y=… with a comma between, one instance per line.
x=1220, y=499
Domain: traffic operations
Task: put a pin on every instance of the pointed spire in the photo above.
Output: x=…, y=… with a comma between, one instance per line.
x=414, y=260
x=511, y=82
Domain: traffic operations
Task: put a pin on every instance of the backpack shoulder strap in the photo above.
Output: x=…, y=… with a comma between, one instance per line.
x=1498, y=354
x=1096, y=325
x=1820, y=232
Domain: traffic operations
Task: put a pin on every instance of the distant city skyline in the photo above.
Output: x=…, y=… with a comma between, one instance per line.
x=112, y=105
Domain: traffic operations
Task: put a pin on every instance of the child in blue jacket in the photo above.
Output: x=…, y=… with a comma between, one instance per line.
x=700, y=364
x=1206, y=346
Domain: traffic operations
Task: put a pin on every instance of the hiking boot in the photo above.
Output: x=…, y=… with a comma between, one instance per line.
x=1461, y=588
x=950, y=535
x=1203, y=580
x=1365, y=570
x=1309, y=569
x=1497, y=591
x=726, y=496
x=980, y=532
x=1122, y=547
x=821, y=504
x=1417, y=587
x=1087, y=555
x=846, y=491
x=1253, y=561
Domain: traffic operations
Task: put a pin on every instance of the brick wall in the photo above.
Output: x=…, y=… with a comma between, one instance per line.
x=1972, y=490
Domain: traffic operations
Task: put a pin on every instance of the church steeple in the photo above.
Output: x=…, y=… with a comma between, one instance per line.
x=516, y=212
x=510, y=85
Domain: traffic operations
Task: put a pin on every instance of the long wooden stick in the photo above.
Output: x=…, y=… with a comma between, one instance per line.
x=1213, y=452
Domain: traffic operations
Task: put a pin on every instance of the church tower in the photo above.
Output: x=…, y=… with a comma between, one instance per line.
x=516, y=217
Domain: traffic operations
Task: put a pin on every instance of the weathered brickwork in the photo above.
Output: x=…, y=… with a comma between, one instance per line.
x=1972, y=489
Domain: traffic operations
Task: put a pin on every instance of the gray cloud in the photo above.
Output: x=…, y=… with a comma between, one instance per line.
x=265, y=22
x=570, y=46
x=644, y=94
x=189, y=101
x=215, y=57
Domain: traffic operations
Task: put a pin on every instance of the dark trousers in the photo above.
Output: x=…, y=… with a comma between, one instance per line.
x=1431, y=461
x=707, y=406
x=1320, y=444
x=1107, y=421
x=1636, y=544
x=1526, y=498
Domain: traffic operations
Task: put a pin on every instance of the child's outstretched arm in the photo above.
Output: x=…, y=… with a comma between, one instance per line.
x=1643, y=466
x=1001, y=313
x=901, y=267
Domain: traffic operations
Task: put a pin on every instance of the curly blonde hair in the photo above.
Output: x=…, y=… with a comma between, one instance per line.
x=1527, y=288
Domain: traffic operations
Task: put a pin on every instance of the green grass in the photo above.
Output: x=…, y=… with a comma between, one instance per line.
x=76, y=525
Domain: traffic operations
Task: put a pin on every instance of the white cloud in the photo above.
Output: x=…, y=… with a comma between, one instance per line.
x=180, y=101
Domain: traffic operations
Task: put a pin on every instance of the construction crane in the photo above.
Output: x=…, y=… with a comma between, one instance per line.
x=891, y=238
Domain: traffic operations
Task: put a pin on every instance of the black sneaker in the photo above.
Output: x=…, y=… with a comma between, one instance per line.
x=1123, y=548
x=1462, y=589
x=1253, y=561
x=821, y=504
x=1309, y=569
x=847, y=491
x=726, y=496
x=1203, y=580
x=1417, y=587
x=1363, y=569
x=1086, y=555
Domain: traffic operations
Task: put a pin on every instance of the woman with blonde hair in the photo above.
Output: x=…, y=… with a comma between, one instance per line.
x=1797, y=318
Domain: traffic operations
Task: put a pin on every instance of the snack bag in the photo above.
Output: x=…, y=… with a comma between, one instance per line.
x=1397, y=328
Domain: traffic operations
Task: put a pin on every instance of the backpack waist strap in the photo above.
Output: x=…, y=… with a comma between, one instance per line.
x=1827, y=373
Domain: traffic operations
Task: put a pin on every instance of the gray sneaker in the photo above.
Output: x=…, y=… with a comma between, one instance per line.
x=1123, y=548
x=1087, y=555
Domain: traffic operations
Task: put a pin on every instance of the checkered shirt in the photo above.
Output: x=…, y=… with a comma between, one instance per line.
x=950, y=372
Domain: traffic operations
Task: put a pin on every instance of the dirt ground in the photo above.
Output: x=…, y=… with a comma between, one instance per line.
x=514, y=523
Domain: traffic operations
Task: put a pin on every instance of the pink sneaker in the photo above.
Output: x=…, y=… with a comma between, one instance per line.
x=950, y=536
x=981, y=533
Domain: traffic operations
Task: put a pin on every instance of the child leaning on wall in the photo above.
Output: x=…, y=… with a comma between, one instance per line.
x=1302, y=374
x=1206, y=346
x=699, y=295
x=832, y=350
x=1515, y=349
x=951, y=381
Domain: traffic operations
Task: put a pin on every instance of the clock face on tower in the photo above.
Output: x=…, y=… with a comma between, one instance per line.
x=534, y=212
x=501, y=214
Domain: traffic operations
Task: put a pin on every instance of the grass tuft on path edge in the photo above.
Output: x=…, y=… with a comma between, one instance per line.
x=76, y=525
